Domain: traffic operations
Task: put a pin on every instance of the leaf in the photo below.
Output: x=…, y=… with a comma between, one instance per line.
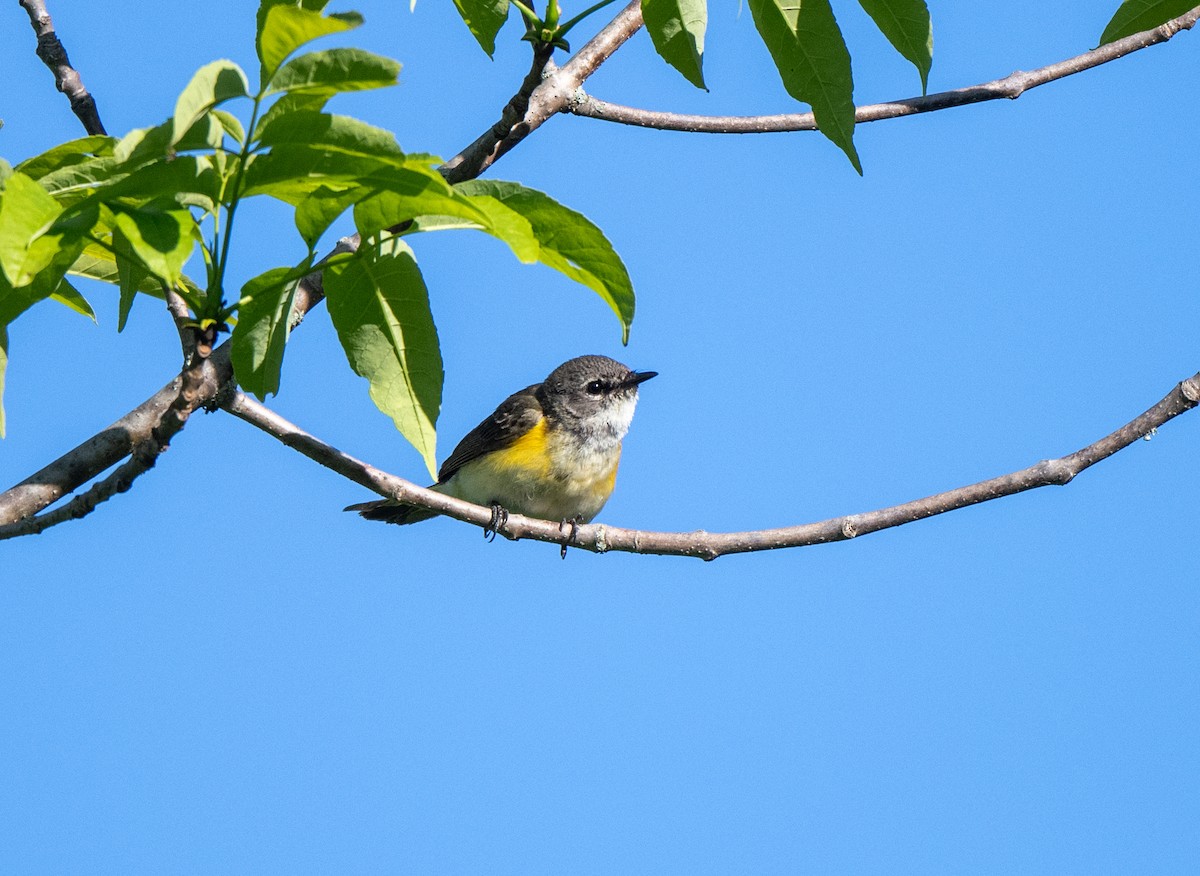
x=26, y=213
x=67, y=154
x=97, y=262
x=292, y=172
x=232, y=125
x=907, y=26
x=380, y=308
x=188, y=179
x=807, y=46
x=401, y=194
x=318, y=210
x=677, y=29
x=69, y=296
x=567, y=241
x=162, y=239
x=289, y=103
x=336, y=70
x=484, y=18
x=262, y=330
x=333, y=133
x=132, y=273
x=1135, y=16
x=74, y=181
x=213, y=84
x=283, y=28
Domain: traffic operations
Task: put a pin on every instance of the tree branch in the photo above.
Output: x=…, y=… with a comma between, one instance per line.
x=193, y=388
x=66, y=78
x=163, y=414
x=546, y=91
x=1011, y=87
x=600, y=538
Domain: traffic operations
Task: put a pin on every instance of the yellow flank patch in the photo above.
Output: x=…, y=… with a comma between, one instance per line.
x=607, y=485
x=528, y=452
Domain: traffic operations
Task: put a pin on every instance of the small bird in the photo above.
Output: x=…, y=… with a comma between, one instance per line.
x=549, y=451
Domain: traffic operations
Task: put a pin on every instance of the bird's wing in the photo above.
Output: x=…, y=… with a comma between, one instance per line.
x=516, y=415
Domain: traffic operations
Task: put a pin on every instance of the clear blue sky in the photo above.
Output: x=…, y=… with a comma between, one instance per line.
x=221, y=672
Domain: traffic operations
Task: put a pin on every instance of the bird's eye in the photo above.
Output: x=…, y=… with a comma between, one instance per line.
x=596, y=387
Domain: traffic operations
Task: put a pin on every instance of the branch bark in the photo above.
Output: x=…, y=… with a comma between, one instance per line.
x=1010, y=87
x=600, y=538
x=66, y=78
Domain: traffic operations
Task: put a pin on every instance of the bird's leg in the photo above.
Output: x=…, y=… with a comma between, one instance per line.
x=498, y=521
x=570, y=538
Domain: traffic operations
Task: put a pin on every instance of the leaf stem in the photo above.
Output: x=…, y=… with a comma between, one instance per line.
x=217, y=282
x=566, y=26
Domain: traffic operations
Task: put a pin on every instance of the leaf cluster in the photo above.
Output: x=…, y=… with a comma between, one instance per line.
x=135, y=211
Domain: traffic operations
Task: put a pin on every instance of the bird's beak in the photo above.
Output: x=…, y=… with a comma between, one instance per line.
x=639, y=377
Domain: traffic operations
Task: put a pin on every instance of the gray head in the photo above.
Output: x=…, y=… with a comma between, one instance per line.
x=596, y=389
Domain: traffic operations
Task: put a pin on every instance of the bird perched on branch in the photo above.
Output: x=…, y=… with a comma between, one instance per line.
x=549, y=451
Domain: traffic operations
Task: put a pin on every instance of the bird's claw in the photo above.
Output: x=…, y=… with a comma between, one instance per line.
x=570, y=537
x=496, y=522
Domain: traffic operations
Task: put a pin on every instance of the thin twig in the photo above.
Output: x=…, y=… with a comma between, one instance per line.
x=600, y=537
x=50, y=49
x=1010, y=87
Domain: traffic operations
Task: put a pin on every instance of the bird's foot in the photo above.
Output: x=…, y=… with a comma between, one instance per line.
x=496, y=522
x=570, y=536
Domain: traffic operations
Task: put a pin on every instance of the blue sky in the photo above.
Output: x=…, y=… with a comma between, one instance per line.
x=221, y=672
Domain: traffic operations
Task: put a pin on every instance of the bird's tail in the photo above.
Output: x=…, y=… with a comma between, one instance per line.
x=391, y=511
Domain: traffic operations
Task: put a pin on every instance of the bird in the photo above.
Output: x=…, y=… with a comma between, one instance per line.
x=550, y=450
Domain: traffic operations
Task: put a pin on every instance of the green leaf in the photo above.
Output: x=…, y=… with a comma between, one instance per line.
x=484, y=18
x=318, y=210
x=68, y=295
x=907, y=26
x=26, y=213
x=132, y=274
x=72, y=182
x=283, y=28
x=567, y=241
x=212, y=84
x=808, y=50
x=163, y=239
x=677, y=29
x=188, y=179
x=97, y=262
x=263, y=326
x=290, y=103
x=335, y=70
x=401, y=194
x=380, y=308
x=333, y=133
x=232, y=125
x=291, y=173
x=68, y=154
x=1135, y=16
